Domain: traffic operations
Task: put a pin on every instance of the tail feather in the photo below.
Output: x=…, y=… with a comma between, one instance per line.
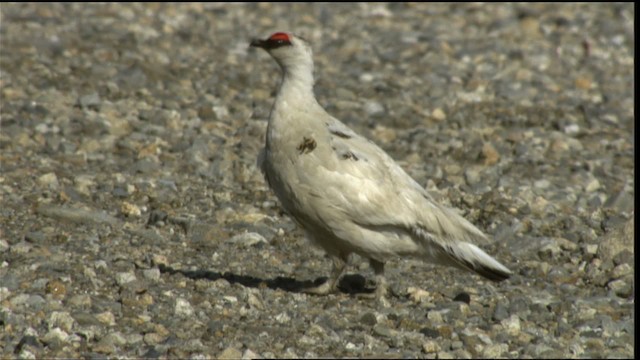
x=470, y=257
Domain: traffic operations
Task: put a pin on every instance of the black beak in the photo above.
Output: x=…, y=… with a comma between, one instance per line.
x=258, y=43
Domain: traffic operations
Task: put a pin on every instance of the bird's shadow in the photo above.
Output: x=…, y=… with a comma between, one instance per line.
x=350, y=283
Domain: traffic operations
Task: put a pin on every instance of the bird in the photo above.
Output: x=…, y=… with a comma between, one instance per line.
x=346, y=193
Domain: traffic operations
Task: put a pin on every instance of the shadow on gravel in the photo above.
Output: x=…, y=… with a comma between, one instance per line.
x=349, y=284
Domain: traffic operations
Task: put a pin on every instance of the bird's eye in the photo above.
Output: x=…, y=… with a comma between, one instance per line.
x=276, y=43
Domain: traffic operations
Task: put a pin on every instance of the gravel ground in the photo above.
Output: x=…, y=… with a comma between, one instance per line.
x=134, y=222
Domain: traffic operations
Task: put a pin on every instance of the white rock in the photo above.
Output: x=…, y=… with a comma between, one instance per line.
x=183, y=308
x=248, y=239
x=512, y=325
x=125, y=277
x=49, y=180
x=373, y=108
x=283, y=318
x=55, y=335
x=438, y=114
x=61, y=319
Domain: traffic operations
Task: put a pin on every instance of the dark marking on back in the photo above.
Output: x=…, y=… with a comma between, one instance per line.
x=340, y=134
x=307, y=145
x=349, y=155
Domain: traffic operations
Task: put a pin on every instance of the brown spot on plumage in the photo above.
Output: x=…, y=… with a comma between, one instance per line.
x=350, y=155
x=307, y=145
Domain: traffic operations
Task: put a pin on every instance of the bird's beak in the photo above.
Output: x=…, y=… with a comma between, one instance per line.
x=258, y=43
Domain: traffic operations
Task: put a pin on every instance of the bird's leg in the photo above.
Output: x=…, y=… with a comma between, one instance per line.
x=331, y=285
x=381, y=283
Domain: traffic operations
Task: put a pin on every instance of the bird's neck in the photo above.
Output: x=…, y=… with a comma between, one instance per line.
x=297, y=86
x=292, y=109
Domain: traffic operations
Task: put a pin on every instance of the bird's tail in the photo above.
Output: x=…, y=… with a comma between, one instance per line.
x=470, y=257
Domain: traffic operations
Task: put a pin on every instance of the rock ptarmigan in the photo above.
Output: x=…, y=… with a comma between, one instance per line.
x=347, y=194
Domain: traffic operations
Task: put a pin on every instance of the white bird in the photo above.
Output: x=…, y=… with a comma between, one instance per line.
x=347, y=194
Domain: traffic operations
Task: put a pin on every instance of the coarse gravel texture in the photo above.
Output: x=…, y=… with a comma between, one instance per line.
x=134, y=222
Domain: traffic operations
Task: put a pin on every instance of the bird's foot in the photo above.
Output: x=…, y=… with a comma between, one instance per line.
x=380, y=295
x=328, y=287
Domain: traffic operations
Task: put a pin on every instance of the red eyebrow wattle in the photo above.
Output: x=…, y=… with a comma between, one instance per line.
x=280, y=36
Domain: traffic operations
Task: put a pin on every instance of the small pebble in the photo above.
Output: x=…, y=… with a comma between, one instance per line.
x=183, y=308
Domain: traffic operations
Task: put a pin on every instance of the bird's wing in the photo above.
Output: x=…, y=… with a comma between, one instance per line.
x=362, y=184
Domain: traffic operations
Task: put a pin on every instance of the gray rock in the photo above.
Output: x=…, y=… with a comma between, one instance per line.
x=21, y=248
x=123, y=278
x=622, y=201
x=368, y=319
x=500, y=312
x=90, y=101
x=384, y=331
x=55, y=337
x=62, y=320
x=49, y=181
x=373, y=108
x=230, y=353
x=11, y=282
x=19, y=299
x=152, y=274
x=495, y=351
x=621, y=288
x=4, y=245
x=616, y=241
x=75, y=215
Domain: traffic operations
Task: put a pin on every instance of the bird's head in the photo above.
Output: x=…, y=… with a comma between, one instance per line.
x=289, y=50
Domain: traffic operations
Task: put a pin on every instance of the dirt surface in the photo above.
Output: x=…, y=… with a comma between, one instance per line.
x=134, y=222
